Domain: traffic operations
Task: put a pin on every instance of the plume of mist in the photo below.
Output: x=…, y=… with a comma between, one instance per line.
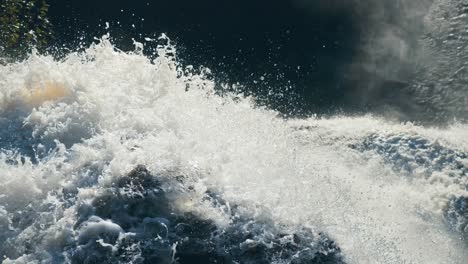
x=410, y=60
x=389, y=30
x=390, y=35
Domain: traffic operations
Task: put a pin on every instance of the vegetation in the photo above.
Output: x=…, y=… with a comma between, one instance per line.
x=23, y=25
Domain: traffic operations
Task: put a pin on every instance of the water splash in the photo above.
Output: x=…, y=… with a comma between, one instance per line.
x=382, y=192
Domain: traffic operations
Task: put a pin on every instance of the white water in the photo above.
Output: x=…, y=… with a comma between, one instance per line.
x=93, y=117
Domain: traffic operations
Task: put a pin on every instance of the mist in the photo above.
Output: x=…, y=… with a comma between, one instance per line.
x=408, y=63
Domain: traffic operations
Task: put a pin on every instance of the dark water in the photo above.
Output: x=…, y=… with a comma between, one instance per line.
x=265, y=45
x=298, y=57
x=113, y=156
x=295, y=56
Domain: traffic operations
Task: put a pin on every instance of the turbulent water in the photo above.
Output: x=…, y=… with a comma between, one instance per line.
x=107, y=156
x=110, y=157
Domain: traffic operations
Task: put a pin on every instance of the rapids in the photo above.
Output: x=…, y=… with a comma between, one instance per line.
x=104, y=148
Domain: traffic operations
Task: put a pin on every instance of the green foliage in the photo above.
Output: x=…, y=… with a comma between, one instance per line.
x=23, y=25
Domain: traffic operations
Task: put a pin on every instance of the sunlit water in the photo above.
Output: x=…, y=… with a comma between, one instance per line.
x=73, y=129
x=108, y=157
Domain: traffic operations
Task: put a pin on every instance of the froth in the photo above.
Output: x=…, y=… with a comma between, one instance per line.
x=95, y=116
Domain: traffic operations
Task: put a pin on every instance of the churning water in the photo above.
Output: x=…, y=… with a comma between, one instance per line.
x=110, y=157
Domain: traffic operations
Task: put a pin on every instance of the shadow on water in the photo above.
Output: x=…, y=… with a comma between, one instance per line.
x=144, y=225
x=415, y=156
x=15, y=136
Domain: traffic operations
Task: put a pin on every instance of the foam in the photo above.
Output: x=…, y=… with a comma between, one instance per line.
x=120, y=110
